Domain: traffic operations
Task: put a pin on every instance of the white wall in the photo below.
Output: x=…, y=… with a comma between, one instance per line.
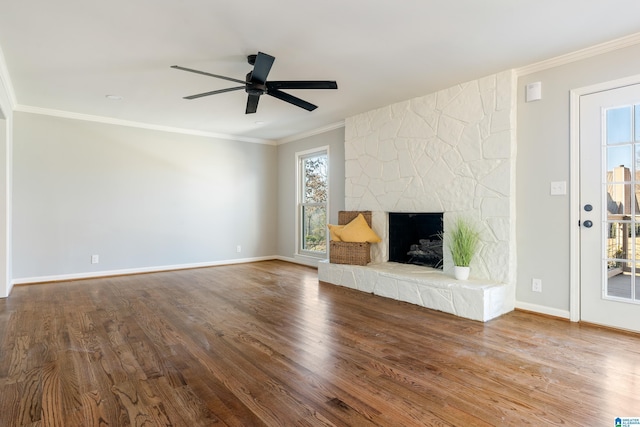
x=287, y=184
x=138, y=198
x=543, y=156
x=5, y=191
x=6, y=142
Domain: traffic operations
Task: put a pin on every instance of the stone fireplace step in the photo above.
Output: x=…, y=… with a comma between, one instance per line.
x=424, y=286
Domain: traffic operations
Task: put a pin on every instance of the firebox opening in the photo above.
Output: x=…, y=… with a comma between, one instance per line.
x=414, y=238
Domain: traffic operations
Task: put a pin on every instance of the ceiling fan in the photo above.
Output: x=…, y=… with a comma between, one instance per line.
x=256, y=84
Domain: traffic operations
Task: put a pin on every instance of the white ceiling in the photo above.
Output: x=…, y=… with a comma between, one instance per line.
x=66, y=55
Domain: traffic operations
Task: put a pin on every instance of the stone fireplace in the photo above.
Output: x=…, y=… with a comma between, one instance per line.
x=453, y=152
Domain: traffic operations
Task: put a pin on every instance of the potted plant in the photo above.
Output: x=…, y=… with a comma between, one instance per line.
x=463, y=240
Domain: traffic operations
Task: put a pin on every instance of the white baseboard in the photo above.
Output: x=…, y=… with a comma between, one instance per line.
x=286, y=259
x=299, y=259
x=549, y=311
x=107, y=273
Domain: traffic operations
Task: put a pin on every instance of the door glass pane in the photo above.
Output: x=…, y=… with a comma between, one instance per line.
x=637, y=157
x=619, y=199
x=637, y=122
x=619, y=283
x=637, y=284
x=619, y=161
x=618, y=240
x=619, y=125
x=635, y=209
x=633, y=240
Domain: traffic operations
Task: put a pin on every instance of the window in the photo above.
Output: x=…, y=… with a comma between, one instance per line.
x=313, y=197
x=622, y=199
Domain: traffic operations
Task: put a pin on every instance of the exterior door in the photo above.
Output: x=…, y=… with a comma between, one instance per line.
x=609, y=208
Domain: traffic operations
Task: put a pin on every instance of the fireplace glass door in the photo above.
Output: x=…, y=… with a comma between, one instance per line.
x=414, y=238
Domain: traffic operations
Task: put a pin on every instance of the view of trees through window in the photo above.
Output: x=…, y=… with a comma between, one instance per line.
x=314, y=203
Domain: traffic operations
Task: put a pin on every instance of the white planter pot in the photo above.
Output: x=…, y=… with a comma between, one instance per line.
x=461, y=273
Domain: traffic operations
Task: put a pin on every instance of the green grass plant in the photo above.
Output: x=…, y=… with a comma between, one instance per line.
x=464, y=240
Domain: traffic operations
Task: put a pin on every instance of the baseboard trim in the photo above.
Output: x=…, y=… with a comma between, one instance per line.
x=142, y=270
x=285, y=258
x=541, y=309
x=306, y=261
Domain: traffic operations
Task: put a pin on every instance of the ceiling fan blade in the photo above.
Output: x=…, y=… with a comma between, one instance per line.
x=214, y=92
x=292, y=99
x=303, y=84
x=261, y=68
x=177, y=67
x=252, y=104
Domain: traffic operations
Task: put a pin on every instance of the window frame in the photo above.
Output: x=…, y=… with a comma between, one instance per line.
x=300, y=157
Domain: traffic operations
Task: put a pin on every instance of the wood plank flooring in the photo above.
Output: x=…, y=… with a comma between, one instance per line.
x=265, y=344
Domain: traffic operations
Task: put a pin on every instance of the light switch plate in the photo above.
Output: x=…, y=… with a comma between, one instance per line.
x=559, y=188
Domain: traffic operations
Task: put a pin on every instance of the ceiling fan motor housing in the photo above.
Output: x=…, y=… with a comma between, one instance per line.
x=254, y=88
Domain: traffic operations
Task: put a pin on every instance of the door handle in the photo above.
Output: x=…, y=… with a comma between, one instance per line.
x=587, y=224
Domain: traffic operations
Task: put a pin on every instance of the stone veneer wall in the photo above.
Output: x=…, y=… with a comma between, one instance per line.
x=452, y=151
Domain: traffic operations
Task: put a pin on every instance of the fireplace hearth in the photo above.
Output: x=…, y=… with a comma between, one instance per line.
x=414, y=238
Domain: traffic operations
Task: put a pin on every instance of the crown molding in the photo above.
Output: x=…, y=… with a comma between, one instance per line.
x=313, y=132
x=578, y=55
x=112, y=121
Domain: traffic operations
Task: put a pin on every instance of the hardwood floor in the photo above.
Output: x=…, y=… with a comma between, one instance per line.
x=265, y=344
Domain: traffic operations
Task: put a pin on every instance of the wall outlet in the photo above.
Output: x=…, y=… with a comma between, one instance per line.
x=95, y=259
x=536, y=285
x=238, y=248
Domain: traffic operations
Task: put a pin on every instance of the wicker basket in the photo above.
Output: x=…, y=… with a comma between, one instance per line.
x=353, y=253
x=345, y=217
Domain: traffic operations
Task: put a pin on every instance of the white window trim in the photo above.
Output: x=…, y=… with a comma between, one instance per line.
x=309, y=258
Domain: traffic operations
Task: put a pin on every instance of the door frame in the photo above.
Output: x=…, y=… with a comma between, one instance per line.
x=574, y=186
